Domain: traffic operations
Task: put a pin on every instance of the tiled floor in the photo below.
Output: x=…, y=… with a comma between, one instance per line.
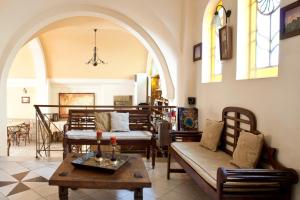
x=29, y=149
x=26, y=178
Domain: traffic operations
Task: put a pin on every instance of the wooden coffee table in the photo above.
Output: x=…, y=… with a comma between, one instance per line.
x=131, y=176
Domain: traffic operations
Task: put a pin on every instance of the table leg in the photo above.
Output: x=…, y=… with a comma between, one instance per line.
x=138, y=194
x=63, y=193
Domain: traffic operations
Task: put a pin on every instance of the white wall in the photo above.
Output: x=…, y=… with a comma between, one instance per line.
x=141, y=84
x=104, y=90
x=18, y=110
x=275, y=101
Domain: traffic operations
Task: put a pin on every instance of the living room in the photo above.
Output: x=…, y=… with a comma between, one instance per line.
x=168, y=32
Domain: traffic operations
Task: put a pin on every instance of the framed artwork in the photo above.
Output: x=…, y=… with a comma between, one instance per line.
x=71, y=99
x=197, y=53
x=187, y=119
x=25, y=99
x=123, y=100
x=225, y=38
x=290, y=20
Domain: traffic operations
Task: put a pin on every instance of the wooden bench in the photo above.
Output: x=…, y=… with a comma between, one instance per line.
x=270, y=180
x=83, y=121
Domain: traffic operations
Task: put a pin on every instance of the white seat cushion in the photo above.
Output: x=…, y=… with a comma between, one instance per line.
x=202, y=160
x=91, y=135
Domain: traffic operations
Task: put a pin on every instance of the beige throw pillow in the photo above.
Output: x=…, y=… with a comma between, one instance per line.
x=248, y=149
x=102, y=121
x=211, y=134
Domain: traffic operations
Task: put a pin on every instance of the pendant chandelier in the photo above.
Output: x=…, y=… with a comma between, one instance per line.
x=95, y=60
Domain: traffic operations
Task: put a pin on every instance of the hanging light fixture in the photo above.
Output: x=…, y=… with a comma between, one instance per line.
x=95, y=60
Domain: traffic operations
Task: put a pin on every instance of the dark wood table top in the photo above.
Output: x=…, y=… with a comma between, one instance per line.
x=131, y=175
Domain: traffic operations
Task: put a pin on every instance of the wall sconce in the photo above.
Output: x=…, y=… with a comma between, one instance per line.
x=217, y=20
x=25, y=99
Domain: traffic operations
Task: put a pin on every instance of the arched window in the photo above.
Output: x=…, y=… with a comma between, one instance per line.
x=258, y=30
x=211, y=62
x=216, y=65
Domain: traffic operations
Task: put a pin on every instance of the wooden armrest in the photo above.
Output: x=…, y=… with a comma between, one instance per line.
x=185, y=136
x=185, y=132
x=256, y=175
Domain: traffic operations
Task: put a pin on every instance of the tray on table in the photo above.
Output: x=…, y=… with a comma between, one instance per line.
x=88, y=161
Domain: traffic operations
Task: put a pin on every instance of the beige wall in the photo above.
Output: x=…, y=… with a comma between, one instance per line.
x=27, y=72
x=23, y=64
x=68, y=49
x=275, y=101
x=18, y=110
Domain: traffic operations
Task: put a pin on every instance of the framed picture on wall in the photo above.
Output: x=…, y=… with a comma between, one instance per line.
x=225, y=37
x=123, y=100
x=25, y=99
x=187, y=119
x=71, y=99
x=197, y=53
x=290, y=20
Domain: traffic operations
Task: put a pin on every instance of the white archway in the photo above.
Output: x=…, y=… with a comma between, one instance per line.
x=40, y=71
x=36, y=24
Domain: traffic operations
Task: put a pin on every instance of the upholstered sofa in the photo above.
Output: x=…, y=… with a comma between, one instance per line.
x=81, y=130
x=220, y=179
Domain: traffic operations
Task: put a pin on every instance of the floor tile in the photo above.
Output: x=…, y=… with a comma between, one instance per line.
x=45, y=190
x=45, y=172
x=7, y=189
x=30, y=176
x=20, y=187
x=4, y=176
x=27, y=195
x=33, y=164
x=20, y=176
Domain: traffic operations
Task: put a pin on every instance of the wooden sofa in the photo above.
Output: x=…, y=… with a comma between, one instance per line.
x=80, y=130
x=213, y=172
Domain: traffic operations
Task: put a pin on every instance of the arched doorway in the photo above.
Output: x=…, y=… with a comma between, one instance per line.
x=28, y=31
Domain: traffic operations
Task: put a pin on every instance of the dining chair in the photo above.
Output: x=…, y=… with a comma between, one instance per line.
x=24, y=133
x=12, y=132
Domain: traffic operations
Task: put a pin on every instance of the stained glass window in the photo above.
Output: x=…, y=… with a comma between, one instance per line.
x=264, y=38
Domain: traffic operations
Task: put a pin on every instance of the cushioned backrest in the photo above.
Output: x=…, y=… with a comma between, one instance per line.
x=235, y=120
x=85, y=119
